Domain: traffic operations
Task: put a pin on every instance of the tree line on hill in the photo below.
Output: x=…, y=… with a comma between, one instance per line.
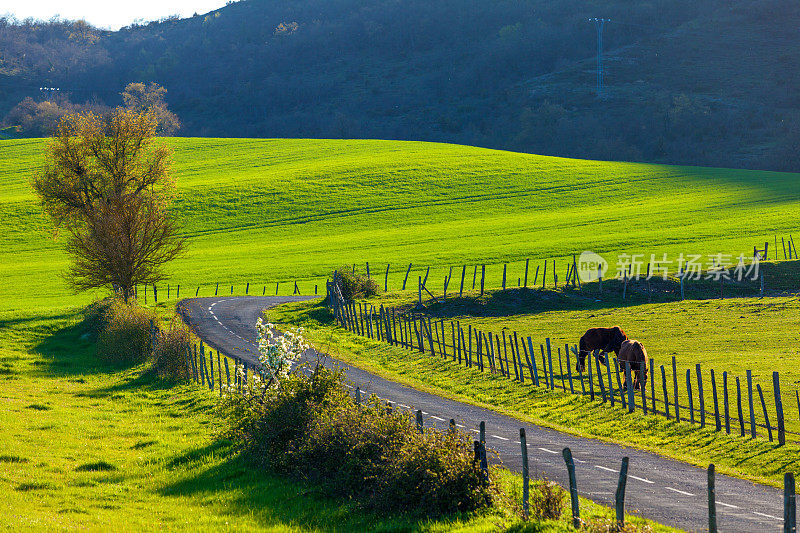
x=705, y=83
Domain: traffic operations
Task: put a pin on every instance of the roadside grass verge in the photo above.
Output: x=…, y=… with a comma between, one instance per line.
x=87, y=444
x=756, y=460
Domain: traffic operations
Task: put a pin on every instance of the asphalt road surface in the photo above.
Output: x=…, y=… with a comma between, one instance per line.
x=664, y=490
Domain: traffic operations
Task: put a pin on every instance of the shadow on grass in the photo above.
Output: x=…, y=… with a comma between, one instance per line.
x=274, y=500
x=781, y=279
x=70, y=351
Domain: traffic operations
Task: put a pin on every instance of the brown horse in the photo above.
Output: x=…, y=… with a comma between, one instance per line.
x=604, y=339
x=632, y=352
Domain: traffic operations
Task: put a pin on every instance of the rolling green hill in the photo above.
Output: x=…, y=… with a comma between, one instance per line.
x=704, y=83
x=261, y=211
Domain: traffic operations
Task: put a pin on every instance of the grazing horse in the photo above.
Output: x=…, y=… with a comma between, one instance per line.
x=632, y=352
x=604, y=339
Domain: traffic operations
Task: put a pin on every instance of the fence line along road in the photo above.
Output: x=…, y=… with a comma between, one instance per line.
x=665, y=490
x=500, y=354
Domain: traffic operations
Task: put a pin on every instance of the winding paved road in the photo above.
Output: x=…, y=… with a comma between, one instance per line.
x=665, y=490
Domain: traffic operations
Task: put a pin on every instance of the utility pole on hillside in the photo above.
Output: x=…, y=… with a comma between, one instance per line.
x=599, y=23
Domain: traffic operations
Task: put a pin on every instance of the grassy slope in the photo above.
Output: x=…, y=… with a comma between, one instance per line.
x=84, y=445
x=264, y=210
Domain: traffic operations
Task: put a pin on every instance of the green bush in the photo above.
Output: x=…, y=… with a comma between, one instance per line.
x=170, y=356
x=355, y=286
x=95, y=316
x=125, y=337
x=309, y=427
x=547, y=500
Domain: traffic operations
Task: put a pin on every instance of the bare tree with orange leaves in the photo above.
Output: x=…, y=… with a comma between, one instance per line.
x=107, y=182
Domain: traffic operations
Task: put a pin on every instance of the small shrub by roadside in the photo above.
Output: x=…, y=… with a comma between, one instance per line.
x=355, y=285
x=308, y=426
x=169, y=357
x=547, y=500
x=95, y=316
x=125, y=337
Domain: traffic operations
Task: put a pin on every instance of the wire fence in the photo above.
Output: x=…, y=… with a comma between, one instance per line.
x=701, y=398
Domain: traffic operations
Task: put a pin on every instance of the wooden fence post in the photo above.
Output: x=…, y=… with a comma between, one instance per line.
x=689, y=395
x=700, y=398
x=483, y=277
x=712, y=501
x=463, y=273
x=776, y=388
x=725, y=402
x=622, y=398
x=619, y=499
x=386, y=279
x=420, y=426
x=764, y=408
x=653, y=386
x=405, y=279
x=789, y=507
x=611, y=392
x=505, y=265
x=664, y=386
x=550, y=364
x=591, y=381
x=532, y=362
x=573, y=487
x=525, y=473
x=717, y=423
x=544, y=273
x=739, y=406
x=675, y=390
x=750, y=404
x=600, y=377
x=569, y=368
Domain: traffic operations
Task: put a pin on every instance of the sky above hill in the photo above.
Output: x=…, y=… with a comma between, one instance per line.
x=105, y=14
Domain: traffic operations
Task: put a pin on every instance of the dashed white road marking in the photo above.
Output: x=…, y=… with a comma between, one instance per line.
x=460, y=425
x=680, y=491
x=641, y=479
x=499, y=437
x=474, y=430
x=728, y=505
x=404, y=406
x=606, y=469
x=767, y=515
x=437, y=418
x=578, y=460
x=548, y=451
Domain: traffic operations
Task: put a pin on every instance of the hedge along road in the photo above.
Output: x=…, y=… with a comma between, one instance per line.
x=665, y=490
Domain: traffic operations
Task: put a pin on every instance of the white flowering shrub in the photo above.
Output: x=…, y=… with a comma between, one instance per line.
x=277, y=354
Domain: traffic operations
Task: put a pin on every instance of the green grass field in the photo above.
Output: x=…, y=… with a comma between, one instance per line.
x=86, y=445
x=261, y=211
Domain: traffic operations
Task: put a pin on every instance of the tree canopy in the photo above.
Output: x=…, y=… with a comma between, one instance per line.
x=107, y=183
